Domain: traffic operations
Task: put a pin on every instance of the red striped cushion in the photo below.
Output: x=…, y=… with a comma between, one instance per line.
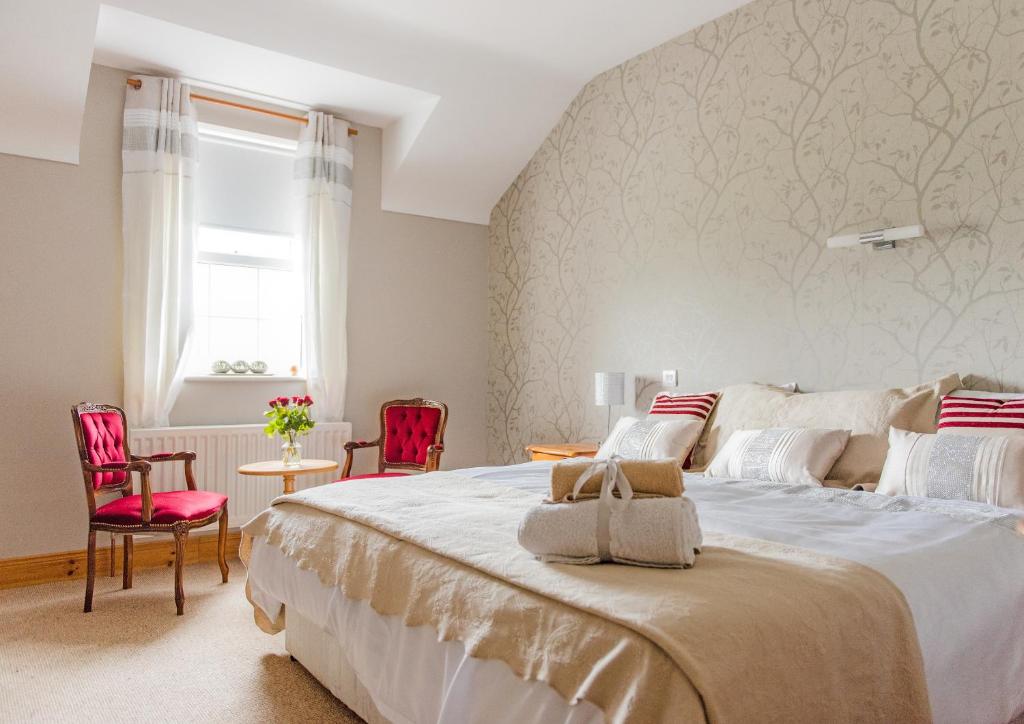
x=697, y=406
x=968, y=412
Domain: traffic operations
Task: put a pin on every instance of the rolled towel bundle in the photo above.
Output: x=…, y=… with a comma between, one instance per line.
x=646, y=477
x=656, y=532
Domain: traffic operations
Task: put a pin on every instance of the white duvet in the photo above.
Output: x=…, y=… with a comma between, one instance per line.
x=959, y=565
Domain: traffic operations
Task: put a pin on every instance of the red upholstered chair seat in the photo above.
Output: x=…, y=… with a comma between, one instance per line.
x=371, y=475
x=167, y=507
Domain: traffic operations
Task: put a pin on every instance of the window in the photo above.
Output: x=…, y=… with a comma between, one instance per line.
x=248, y=291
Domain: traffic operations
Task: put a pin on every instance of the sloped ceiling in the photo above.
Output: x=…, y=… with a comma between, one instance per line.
x=465, y=90
x=45, y=52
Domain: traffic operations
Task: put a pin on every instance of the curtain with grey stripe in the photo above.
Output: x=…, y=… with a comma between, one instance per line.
x=323, y=182
x=158, y=152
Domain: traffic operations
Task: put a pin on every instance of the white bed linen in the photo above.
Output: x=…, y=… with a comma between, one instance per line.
x=961, y=571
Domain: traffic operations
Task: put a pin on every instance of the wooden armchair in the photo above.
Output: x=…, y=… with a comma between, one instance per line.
x=411, y=437
x=107, y=466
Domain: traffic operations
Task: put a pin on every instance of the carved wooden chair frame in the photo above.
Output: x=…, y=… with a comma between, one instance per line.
x=434, y=450
x=141, y=465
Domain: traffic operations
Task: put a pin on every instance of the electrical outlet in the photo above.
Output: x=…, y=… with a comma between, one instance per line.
x=669, y=378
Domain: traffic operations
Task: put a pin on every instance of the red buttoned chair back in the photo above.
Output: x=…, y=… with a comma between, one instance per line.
x=411, y=437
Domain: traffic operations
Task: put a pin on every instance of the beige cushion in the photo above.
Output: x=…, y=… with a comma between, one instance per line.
x=799, y=456
x=652, y=439
x=984, y=468
x=868, y=414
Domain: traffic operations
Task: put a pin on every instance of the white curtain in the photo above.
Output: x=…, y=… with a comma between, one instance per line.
x=158, y=196
x=323, y=182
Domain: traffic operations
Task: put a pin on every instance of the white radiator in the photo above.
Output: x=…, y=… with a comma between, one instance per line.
x=220, y=449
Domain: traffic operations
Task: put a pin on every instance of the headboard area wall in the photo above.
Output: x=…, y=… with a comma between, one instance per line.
x=676, y=216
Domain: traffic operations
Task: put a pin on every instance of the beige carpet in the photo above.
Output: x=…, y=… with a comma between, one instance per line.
x=132, y=659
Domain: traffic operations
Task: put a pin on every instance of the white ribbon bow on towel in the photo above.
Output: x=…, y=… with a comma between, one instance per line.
x=613, y=479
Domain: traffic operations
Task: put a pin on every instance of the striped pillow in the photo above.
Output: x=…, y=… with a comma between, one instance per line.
x=697, y=407
x=985, y=468
x=796, y=455
x=970, y=412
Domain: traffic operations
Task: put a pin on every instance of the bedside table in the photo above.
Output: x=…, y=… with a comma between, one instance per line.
x=562, y=450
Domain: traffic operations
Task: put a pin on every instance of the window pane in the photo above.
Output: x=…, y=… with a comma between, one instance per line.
x=233, y=291
x=244, y=243
x=233, y=339
x=281, y=344
x=280, y=294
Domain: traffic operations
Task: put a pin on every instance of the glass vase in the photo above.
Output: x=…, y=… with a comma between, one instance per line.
x=291, y=451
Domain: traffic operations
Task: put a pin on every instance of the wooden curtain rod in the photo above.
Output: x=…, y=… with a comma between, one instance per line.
x=136, y=83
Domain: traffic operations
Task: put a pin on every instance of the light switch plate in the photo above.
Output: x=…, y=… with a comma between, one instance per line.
x=669, y=378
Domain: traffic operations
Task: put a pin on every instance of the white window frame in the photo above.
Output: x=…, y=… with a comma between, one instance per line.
x=263, y=143
x=259, y=262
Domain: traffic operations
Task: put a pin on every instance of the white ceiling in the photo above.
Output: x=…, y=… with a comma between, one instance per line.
x=466, y=90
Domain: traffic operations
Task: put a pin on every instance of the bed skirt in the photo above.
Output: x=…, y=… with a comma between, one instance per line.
x=320, y=655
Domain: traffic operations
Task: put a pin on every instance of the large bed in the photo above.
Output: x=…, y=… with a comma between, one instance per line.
x=957, y=568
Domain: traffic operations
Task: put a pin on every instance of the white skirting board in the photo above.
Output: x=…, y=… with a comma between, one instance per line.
x=220, y=449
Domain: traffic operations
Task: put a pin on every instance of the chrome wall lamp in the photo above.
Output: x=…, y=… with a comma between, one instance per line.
x=879, y=239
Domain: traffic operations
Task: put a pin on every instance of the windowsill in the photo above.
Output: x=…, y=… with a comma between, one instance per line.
x=247, y=377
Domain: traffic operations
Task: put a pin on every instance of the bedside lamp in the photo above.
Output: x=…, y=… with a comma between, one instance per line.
x=609, y=390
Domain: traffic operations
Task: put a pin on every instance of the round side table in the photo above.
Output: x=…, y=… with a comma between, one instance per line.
x=288, y=472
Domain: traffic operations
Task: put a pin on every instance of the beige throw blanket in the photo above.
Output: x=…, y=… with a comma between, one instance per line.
x=758, y=631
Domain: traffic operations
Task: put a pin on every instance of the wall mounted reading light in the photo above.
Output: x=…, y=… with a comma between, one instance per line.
x=879, y=239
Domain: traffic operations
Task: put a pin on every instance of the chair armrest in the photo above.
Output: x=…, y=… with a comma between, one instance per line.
x=162, y=457
x=358, y=444
x=434, y=456
x=139, y=466
x=186, y=456
x=346, y=469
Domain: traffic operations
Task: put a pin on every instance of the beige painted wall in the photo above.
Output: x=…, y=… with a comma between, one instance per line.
x=60, y=296
x=676, y=216
x=417, y=320
x=417, y=324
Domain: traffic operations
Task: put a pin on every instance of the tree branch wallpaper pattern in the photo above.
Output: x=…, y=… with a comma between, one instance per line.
x=676, y=216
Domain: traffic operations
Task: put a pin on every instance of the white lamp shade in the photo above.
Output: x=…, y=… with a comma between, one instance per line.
x=609, y=388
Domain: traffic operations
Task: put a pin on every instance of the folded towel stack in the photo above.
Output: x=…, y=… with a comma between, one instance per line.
x=646, y=478
x=621, y=524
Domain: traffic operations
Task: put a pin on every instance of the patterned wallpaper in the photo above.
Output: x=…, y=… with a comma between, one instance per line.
x=675, y=218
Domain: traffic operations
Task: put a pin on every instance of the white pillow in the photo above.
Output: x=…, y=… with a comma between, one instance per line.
x=983, y=468
x=796, y=455
x=652, y=439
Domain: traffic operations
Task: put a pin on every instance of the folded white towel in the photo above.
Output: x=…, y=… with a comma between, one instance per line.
x=655, y=532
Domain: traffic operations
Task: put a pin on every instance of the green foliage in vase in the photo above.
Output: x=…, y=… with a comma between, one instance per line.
x=289, y=417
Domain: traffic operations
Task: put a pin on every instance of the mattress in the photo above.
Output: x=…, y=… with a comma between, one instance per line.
x=961, y=574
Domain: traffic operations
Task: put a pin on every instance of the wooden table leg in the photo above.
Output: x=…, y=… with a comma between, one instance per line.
x=289, y=483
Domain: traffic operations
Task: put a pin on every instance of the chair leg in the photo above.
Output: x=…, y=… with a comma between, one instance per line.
x=113, y=550
x=90, y=571
x=126, y=573
x=180, y=539
x=222, y=544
